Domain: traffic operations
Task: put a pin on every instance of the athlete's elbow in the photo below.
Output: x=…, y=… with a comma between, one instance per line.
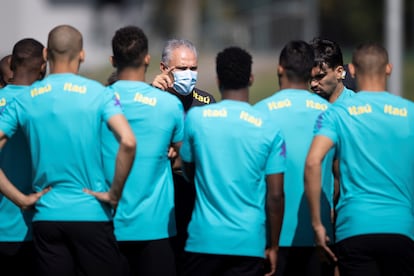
x=312, y=163
x=129, y=144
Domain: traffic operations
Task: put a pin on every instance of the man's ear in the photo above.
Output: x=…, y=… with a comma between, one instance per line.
x=43, y=70
x=388, y=69
x=340, y=72
x=351, y=69
x=163, y=67
x=251, y=80
x=280, y=70
x=45, y=54
x=147, y=60
x=112, y=61
x=9, y=58
x=82, y=56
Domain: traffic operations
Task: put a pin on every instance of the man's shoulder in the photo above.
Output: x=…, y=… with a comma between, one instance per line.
x=282, y=99
x=70, y=80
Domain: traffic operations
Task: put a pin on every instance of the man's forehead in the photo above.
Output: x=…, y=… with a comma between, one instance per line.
x=318, y=70
x=183, y=56
x=323, y=67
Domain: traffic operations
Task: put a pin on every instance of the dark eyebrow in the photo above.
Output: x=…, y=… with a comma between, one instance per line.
x=192, y=68
x=320, y=75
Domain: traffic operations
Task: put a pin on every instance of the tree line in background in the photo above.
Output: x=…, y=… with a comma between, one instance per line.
x=347, y=22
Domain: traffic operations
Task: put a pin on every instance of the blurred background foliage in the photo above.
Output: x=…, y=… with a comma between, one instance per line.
x=261, y=27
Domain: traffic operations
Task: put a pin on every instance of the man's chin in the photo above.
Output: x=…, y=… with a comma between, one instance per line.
x=321, y=94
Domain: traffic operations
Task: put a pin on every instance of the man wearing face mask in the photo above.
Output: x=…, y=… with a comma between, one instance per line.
x=179, y=76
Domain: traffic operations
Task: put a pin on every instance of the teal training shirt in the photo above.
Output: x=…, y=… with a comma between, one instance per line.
x=146, y=208
x=373, y=133
x=346, y=93
x=61, y=116
x=296, y=111
x=16, y=164
x=233, y=147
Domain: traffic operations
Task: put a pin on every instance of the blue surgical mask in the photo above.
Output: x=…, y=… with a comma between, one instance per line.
x=184, y=81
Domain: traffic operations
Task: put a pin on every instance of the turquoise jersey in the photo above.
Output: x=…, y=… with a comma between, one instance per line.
x=61, y=116
x=233, y=146
x=146, y=208
x=346, y=93
x=296, y=111
x=15, y=162
x=373, y=133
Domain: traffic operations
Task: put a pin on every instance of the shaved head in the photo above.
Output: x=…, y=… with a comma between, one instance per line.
x=64, y=43
x=370, y=59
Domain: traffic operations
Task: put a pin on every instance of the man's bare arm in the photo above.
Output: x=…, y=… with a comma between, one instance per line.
x=125, y=156
x=319, y=148
x=124, y=159
x=11, y=192
x=175, y=158
x=275, y=207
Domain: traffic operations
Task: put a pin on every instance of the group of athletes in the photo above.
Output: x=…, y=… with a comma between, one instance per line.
x=157, y=178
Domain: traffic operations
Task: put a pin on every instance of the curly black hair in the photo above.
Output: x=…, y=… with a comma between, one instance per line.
x=233, y=67
x=327, y=52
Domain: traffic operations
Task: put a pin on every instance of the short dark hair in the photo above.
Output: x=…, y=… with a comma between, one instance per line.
x=297, y=59
x=370, y=58
x=5, y=71
x=233, y=67
x=327, y=52
x=27, y=53
x=129, y=47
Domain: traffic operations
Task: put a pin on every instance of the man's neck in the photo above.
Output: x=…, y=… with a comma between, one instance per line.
x=236, y=95
x=337, y=92
x=62, y=67
x=24, y=78
x=132, y=74
x=372, y=83
x=294, y=85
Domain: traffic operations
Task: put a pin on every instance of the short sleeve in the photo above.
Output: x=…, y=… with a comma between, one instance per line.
x=9, y=119
x=187, y=149
x=325, y=124
x=276, y=162
x=111, y=104
x=179, y=123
